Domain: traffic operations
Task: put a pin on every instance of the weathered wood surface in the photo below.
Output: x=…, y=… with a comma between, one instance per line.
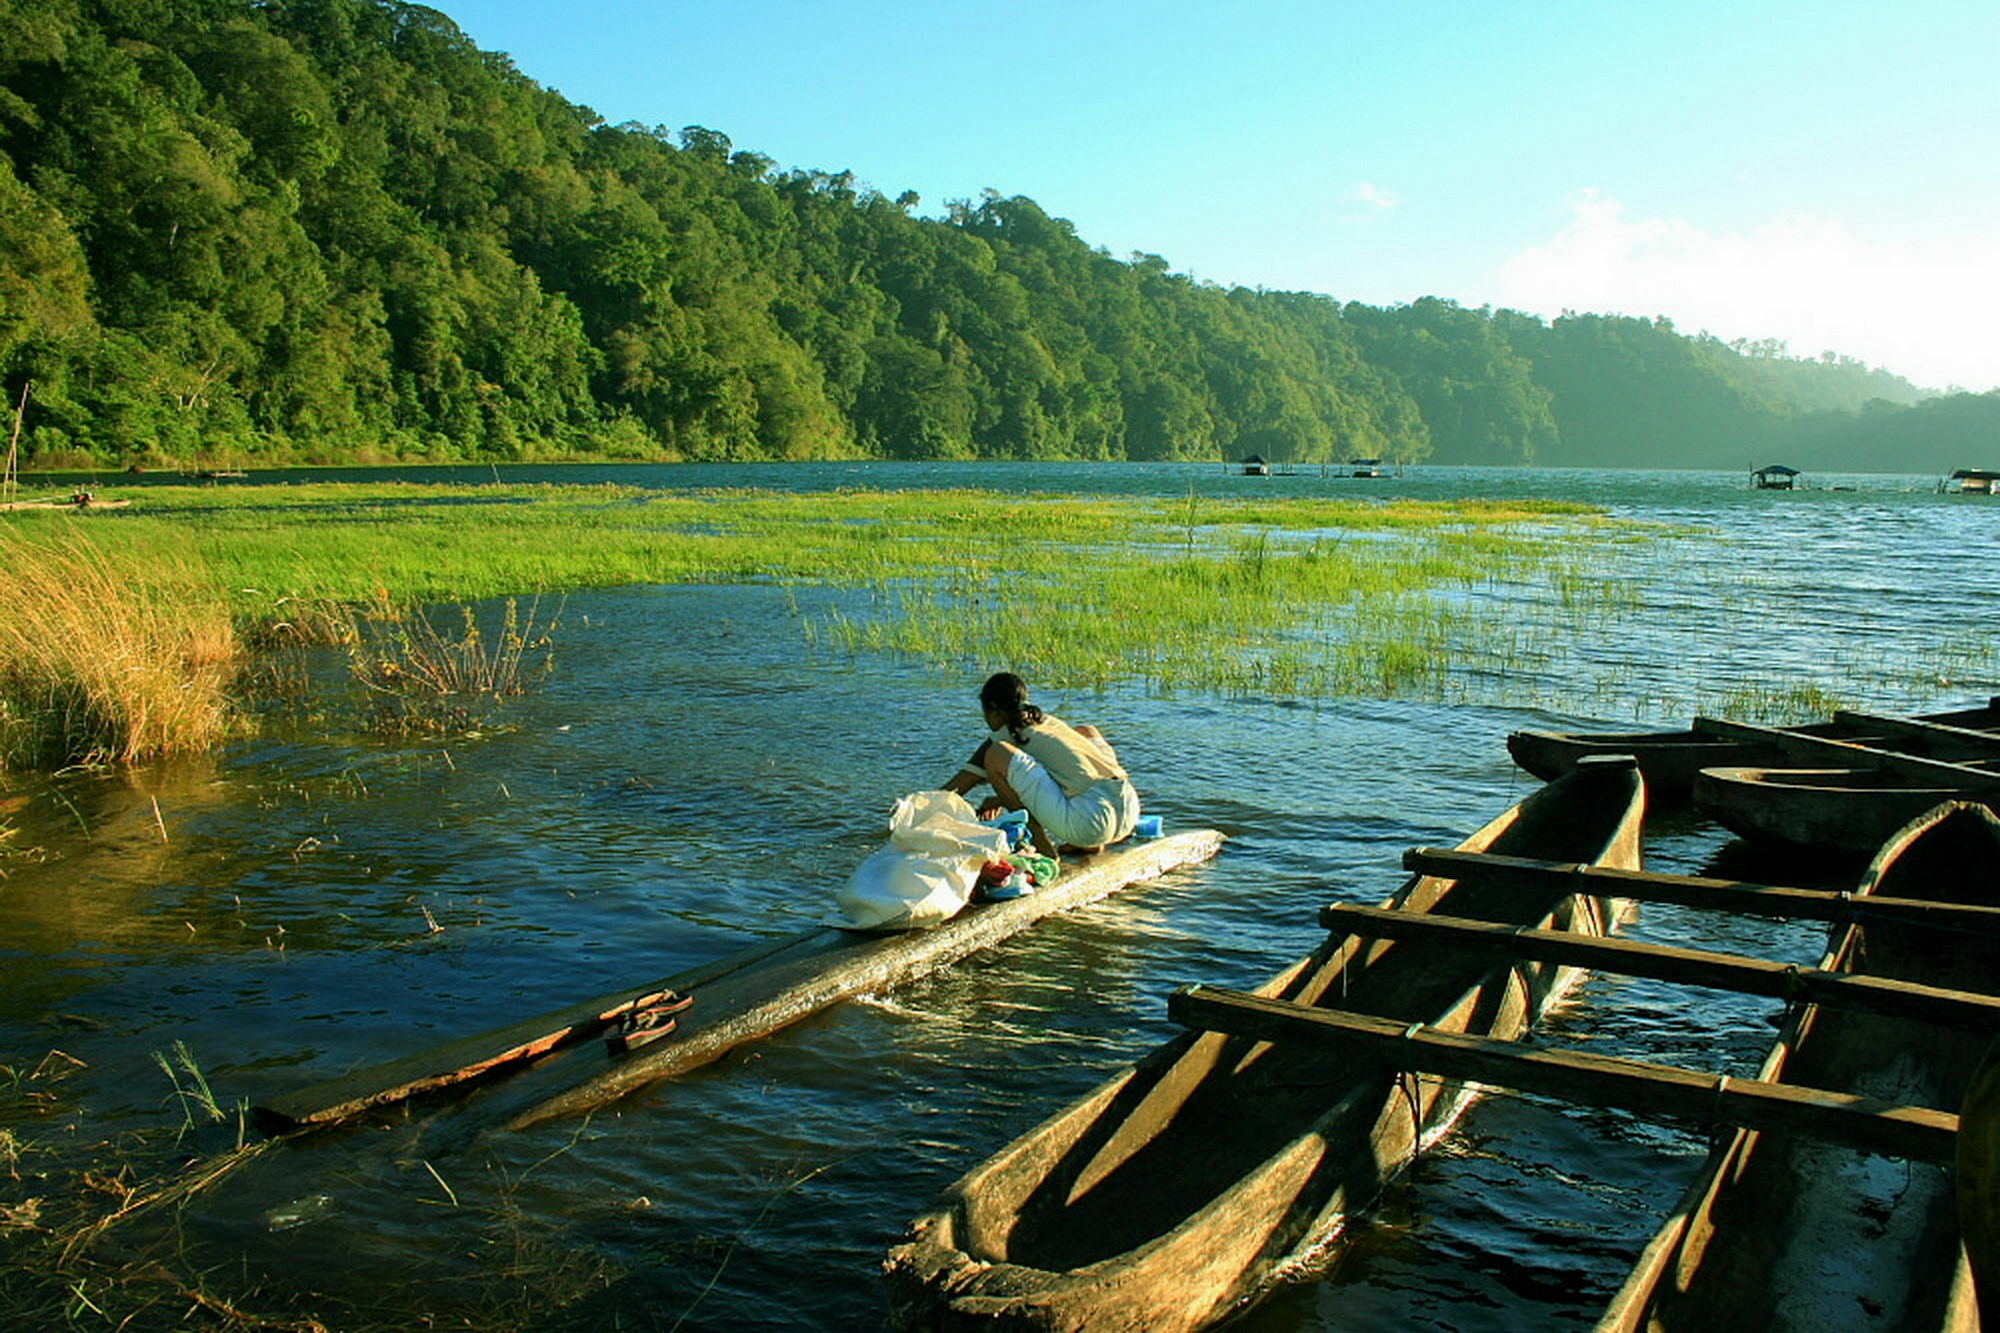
x=1700, y=891
x=1687, y=967
x=1173, y=1192
x=710, y=1027
x=1819, y=813
x=825, y=967
x=1966, y=777
x=1780, y=1230
x=489, y=1054
x=1977, y=1169
x=1670, y=759
x=1973, y=741
x=1645, y=1088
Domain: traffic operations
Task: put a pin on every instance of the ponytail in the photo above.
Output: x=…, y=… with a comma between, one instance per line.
x=1007, y=694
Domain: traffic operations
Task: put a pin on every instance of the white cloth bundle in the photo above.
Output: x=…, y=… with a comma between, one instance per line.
x=927, y=871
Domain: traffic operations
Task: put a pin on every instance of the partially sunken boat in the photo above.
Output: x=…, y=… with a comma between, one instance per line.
x=1670, y=759
x=1173, y=1193
x=1782, y=1231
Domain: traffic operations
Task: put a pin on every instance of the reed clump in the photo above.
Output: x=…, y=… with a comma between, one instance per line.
x=108, y=660
x=424, y=678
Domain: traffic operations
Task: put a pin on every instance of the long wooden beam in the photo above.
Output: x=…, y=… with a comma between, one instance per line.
x=1721, y=895
x=1915, y=728
x=1871, y=1124
x=1826, y=748
x=1691, y=967
x=744, y=995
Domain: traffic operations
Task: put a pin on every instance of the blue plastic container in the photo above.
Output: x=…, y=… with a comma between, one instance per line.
x=1149, y=826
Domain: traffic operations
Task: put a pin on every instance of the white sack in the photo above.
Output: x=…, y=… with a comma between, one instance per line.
x=928, y=870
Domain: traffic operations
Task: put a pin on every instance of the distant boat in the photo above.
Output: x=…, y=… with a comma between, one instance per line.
x=1975, y=481
x=1255, y=466
x=1365, y=467
x=1776, y=477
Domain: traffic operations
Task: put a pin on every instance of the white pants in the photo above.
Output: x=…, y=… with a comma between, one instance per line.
x=1101, y=813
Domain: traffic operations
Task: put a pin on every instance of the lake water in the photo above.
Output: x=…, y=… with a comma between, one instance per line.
x=697, y=777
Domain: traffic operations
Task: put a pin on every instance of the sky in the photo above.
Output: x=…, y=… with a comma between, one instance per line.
x=1823, y=173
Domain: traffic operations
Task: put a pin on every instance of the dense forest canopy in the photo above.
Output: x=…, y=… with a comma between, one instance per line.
x=335, y=230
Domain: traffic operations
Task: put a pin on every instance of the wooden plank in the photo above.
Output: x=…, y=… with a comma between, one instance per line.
x=489, y=1054
x=505, y=1049
x=1978, y=1179
x=1721, y=895
x=758, y=1001
x=1852, y=754
x=1919, y=1133
x=1916, y=728
x=1691, y=967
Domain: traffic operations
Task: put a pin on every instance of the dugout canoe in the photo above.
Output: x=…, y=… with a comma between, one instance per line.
x=1782, y=1231
x=1172, y=1194
x=738, y=998
x=1670, y=759
x=1825, y=812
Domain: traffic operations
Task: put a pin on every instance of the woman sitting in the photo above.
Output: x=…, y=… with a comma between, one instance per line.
x=1067, y=778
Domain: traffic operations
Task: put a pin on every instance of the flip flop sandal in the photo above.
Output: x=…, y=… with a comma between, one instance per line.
x=638, y=1027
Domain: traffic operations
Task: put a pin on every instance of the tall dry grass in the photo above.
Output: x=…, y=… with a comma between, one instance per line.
x=107, y=658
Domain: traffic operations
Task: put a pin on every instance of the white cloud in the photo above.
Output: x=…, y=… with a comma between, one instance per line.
x=1368, y=192
x=1922, y=311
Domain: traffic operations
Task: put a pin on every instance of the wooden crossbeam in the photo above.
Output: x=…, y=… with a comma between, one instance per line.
x=1691, y=967
x=1871, y=1124
x=1721, y=895
x=1855, y=754
x=1916, y=728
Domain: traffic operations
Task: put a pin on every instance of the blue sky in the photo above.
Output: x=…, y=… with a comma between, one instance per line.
x=1824, y=173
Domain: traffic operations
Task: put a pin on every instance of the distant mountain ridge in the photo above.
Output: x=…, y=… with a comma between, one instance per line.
x=335, y=230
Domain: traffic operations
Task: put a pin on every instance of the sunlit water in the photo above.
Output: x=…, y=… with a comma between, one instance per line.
x=697, y=776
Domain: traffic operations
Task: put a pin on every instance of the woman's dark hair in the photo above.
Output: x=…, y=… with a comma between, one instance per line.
x=1007, y=694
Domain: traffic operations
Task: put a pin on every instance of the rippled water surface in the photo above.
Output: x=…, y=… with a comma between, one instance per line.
x=697, y=777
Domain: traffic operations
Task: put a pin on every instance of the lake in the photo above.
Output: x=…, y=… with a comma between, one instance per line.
x=701, y=773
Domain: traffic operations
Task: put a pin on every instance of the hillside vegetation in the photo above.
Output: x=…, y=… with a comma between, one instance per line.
x=335, y=230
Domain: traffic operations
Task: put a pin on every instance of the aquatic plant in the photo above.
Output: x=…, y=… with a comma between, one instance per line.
x=108, y=659
x=421, y=678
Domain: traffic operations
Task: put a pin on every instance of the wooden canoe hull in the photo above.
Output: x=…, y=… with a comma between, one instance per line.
x=1671, y=759
x=738, y=998
x=1783, y=1232
x=1174, y=1192
x=1842, y=811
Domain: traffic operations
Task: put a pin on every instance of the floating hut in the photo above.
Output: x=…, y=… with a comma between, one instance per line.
x=1255, y=466
x=1975, y=481
x=1775, y=477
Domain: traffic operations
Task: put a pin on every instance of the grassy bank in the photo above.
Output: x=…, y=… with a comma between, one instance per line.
x=131, y=646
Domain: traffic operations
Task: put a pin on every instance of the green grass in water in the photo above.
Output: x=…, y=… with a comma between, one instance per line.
x=1300, y=596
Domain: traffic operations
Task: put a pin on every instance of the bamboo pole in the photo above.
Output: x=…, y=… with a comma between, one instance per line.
x=1689, y=967
x=1915, y=1132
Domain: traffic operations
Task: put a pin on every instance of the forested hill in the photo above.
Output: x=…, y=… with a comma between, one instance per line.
x=335, y=230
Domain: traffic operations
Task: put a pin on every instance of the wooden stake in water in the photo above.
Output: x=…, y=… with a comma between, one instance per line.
x=10, y=481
